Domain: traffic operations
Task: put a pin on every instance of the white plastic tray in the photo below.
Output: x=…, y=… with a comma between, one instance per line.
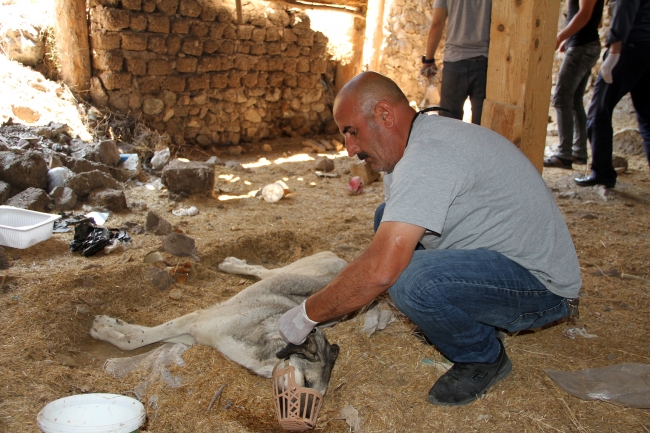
x=21, y=228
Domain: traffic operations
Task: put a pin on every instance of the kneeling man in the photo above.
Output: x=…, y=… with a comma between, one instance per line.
x=469, y=239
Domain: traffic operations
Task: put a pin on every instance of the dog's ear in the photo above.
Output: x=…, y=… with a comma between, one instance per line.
x=307, y=350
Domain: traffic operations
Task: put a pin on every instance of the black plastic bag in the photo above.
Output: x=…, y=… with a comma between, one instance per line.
x=90, y=239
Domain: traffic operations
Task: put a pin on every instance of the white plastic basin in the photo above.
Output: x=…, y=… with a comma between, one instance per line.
x=92, y=413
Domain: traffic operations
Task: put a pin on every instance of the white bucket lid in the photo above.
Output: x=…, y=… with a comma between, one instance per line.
x=92, y=413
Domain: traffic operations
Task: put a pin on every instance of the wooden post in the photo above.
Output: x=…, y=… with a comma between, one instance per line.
x=71, y=31
x=374, y=33
x=346, y=72
x=520, y=63
x=240, y=15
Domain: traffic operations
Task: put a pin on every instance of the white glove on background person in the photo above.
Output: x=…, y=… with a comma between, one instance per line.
x=608, y=66
x=428, y=71
x=295, y=326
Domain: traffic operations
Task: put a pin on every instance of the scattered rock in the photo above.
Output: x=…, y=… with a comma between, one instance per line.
x=324, y=164
x=160, y=159
x=267, y=148
x=79, y=165
x=161, y=279
x=629, y=142
x=64, y=198
x=153, y=257
x=234, y=165
x=157, y=225
x=188, y=177
x=175, y=294
x=180, y=245
x=84, y=183
x=23, y=171
x=213, y=160
x=315, y=146
x=620, y=164
x=112, y=199
x=5, y=190
x=235, y=150
x=364, y=171
x=32, y=199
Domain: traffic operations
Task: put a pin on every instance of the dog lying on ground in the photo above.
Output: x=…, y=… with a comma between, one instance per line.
x=245, y=327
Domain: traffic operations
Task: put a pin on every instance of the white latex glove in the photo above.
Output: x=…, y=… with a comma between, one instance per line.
x=608, y=66
x=295, y=326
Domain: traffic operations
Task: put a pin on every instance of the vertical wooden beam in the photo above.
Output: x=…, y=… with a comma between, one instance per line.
x=240, y=14
x=345, y=72
x=520, y=63
x=374, y=33
x=72, y=44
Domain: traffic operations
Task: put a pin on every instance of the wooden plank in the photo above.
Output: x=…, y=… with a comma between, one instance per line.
x=240, y=15
x=375, y=32
x=520, y=61
x=506, y=119
x=71, y=29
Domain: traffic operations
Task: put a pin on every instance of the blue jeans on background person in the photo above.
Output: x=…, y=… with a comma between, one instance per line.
x=459, y=298
x=462, y=79
x=568, y=100
x=631, y=74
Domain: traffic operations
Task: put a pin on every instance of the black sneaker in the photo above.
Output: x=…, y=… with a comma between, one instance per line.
x=464, y=383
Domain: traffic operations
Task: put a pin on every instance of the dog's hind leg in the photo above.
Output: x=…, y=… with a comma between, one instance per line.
x=128, y=337
x=232, y=265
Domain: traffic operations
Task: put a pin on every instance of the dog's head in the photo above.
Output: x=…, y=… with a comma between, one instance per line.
x=313, y=360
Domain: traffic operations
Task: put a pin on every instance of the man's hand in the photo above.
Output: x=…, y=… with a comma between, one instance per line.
x=608, y=66
x=428, y=70
x=295, y=326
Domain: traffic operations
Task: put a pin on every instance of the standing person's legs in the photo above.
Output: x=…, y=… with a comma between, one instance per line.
x=453, y=92
x=641, y=100
x=477, y=87
x=459, y=298
x=571, y=83
x=590, y=56
x=625, y=75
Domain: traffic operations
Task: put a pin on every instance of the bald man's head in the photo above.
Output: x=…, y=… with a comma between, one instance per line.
x=367, y=89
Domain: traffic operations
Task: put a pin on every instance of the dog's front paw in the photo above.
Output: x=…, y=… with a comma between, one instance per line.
x=232, y=265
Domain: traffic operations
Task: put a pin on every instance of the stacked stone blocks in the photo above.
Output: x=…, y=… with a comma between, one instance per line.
x=192, y=71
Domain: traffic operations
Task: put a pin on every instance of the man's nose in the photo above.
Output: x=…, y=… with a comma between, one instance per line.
x=351, y=147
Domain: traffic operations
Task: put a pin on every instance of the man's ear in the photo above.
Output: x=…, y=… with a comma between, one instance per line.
x=385, y=114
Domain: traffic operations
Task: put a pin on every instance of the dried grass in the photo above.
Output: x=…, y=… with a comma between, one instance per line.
x=49, y=297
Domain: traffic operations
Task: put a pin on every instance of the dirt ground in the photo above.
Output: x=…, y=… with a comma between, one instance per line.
x=49, y=296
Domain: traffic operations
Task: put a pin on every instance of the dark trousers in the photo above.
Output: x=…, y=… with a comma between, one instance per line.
x=631, y=74
x=462, y=79
x=567, y=100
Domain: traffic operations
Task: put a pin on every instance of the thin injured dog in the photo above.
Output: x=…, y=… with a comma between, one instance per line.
x=245, y=327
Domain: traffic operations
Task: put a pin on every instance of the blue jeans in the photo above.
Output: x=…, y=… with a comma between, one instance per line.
x=462, y=79
x=459, y=298
x=631, y=74
x=567, y=100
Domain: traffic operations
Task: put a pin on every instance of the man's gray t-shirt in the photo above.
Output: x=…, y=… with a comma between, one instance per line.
x=471, y=188
x=468, y=28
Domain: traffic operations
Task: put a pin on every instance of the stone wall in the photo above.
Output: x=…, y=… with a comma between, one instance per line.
x=189, y=69
x=406, y=26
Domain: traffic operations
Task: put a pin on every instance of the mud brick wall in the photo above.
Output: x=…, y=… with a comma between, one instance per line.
x=189, y=69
